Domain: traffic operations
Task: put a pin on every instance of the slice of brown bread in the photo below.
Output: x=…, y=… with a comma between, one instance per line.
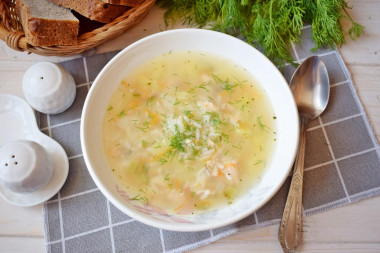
x=93, y=9
x=132, y=3
x=46, y=24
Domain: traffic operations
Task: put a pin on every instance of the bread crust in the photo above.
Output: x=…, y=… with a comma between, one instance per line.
x=46, y=32
x=93, y=9
x=132, y=3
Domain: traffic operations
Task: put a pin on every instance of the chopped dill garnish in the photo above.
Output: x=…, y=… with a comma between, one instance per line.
x=176, y=102
x=204, y=86
x=166, y=176
x=146, y=126
x=144, y=143
x=141, y=197
x=201, y=86
x=192, y=90
x=122, y=114
x=227, y=85
x=147, y=178
x=195, y=152
x=178, y=139
x=162, y=160
x=149, y=100
x=196, y=105
x=215, y=119
x=109, y=108
x=224, y=137
x=238, y=146
x=261, y=125
x=188, y=114
x=258, y=162
x=137, y=197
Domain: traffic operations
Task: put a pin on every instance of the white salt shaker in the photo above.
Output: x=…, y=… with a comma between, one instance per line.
x=48, y=87
x=25, y=166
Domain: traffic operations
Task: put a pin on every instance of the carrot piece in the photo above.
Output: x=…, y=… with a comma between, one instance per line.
x=160, y=155
x=220, y=173
x=180, y=206
x=212, y=155
x=231, y=164
x=186, y=206
x=176, y=184
x=154, y=116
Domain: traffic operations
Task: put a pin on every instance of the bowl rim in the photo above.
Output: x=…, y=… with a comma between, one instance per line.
x=158, y=223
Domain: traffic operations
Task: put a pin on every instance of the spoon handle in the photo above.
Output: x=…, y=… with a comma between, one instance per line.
x=289, y=233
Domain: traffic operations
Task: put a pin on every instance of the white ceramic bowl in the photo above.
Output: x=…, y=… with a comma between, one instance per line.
x=223, y=45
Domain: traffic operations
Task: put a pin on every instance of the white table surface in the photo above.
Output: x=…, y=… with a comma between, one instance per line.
x=352, y=228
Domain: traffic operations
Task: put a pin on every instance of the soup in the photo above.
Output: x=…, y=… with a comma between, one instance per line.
x=188, y=132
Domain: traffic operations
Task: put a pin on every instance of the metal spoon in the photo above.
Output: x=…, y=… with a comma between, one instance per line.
x=311, y=89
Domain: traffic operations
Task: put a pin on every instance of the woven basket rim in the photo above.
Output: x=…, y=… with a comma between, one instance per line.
x=16, y=38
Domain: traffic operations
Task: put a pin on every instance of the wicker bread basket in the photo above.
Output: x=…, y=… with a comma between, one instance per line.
x=11, y=31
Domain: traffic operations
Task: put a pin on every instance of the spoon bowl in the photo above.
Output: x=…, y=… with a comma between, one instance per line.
x=310, y=86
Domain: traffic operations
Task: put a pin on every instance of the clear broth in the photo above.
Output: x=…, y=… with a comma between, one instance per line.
x=188, y=132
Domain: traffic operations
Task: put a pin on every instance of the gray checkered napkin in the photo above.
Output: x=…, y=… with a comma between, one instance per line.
x=342, y=166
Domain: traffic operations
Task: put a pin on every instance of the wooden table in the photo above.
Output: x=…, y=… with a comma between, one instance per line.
x=353, y=228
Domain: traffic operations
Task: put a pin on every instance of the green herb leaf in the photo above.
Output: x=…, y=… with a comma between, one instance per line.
x=122, y=114
x=271, y=25
x=178, y=140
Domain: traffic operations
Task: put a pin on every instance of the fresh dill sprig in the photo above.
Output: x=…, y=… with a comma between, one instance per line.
x=269, y=24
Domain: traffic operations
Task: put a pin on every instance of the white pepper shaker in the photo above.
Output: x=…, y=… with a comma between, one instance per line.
x=25, y=166
x=48, y=87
